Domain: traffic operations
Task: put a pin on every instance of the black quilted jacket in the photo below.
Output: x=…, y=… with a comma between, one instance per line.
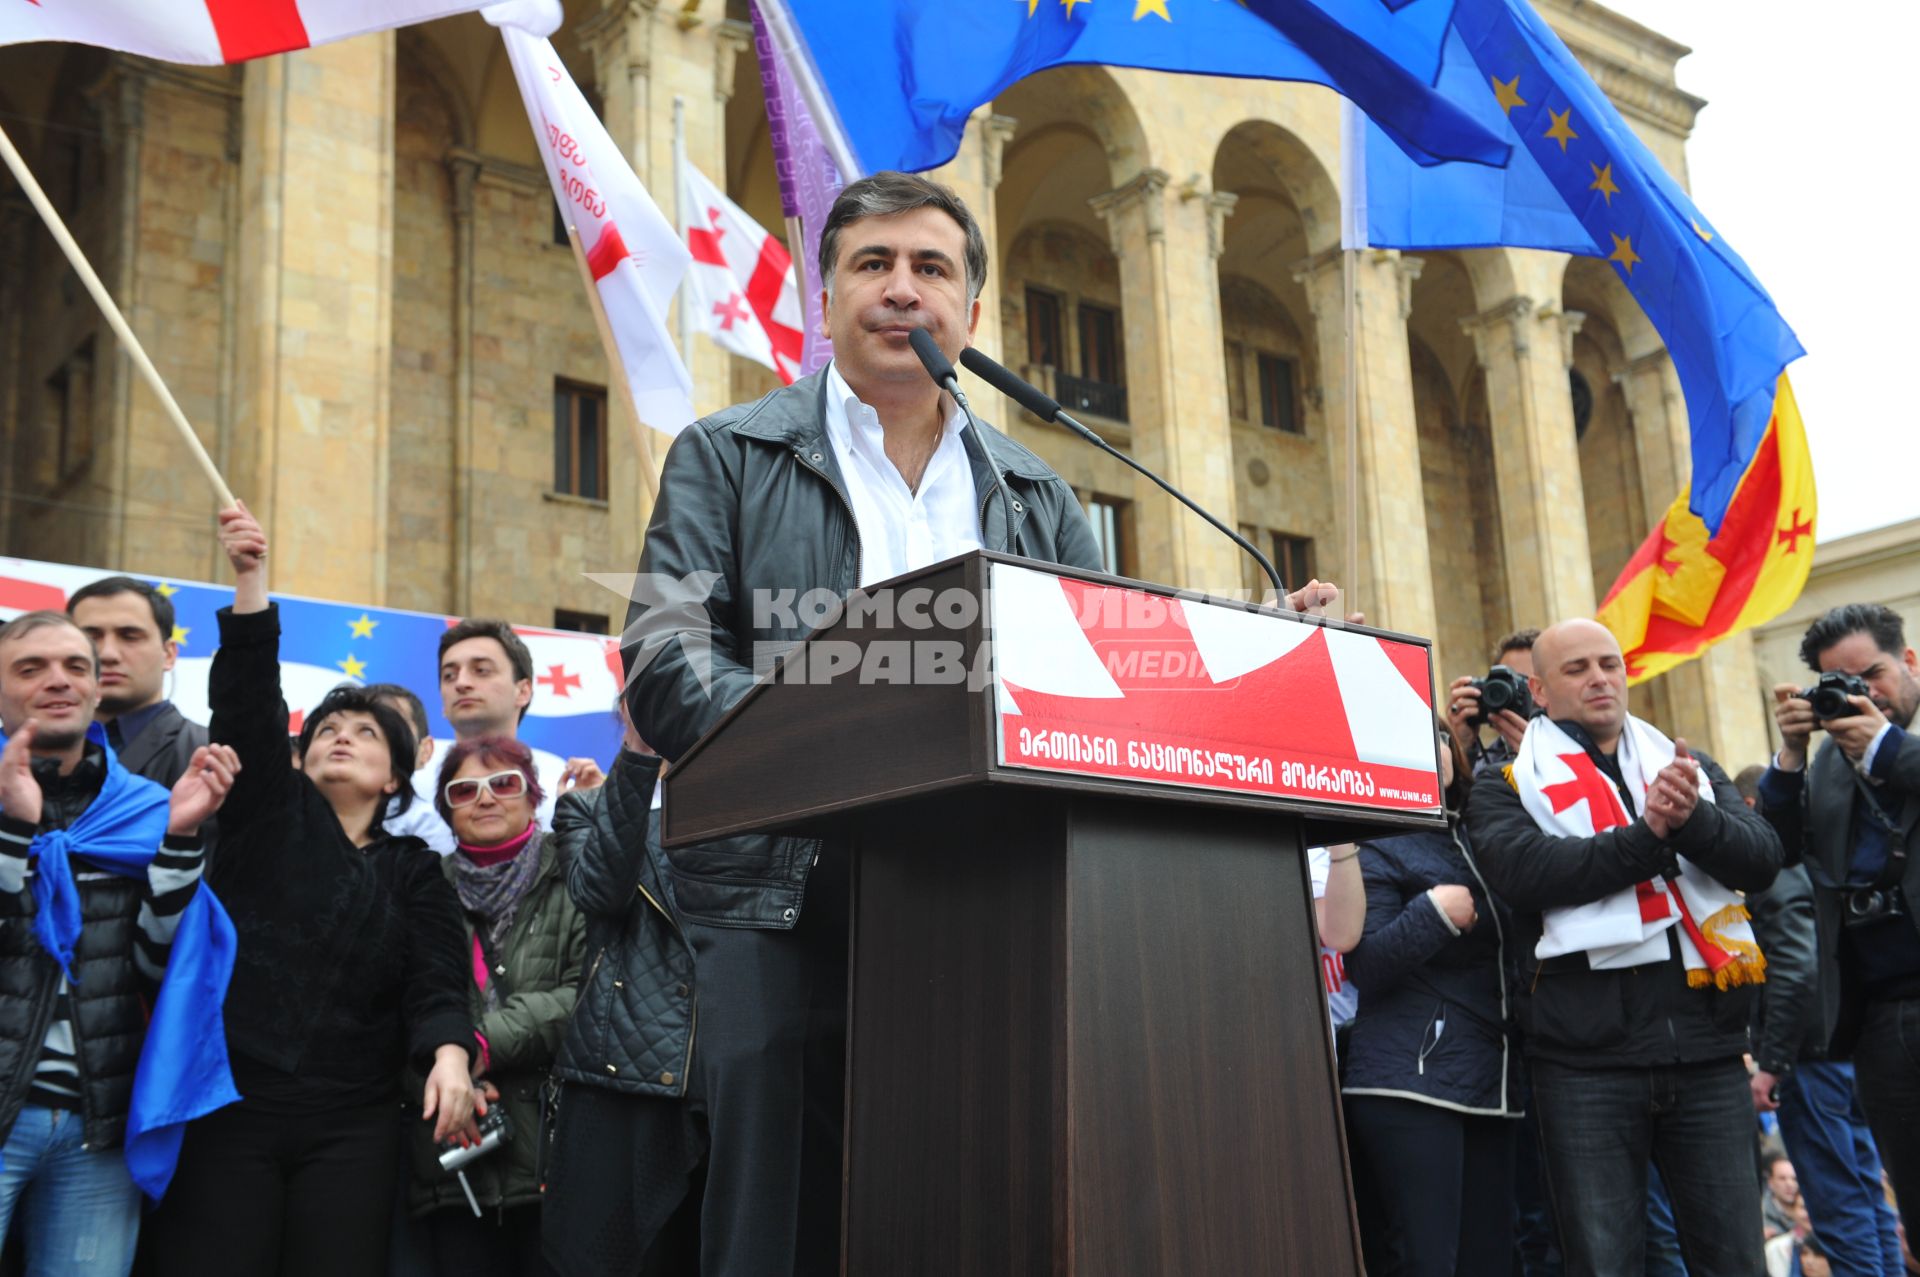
x=632, y=1028
x=109, y=996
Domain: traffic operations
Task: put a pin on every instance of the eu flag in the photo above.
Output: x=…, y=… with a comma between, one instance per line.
x=905, y=74
x=1581, y=182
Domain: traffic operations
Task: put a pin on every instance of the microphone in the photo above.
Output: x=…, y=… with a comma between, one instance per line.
x=940, y=368
x=1029, y=397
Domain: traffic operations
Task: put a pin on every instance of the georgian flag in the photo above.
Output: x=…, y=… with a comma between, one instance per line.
x=741, y=286
x=209, y=32
x=636, y=258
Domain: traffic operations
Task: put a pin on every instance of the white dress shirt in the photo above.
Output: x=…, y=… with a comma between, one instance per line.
x=901, y=529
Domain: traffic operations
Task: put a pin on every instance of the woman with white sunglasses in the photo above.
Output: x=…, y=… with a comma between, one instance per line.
x=525, y=942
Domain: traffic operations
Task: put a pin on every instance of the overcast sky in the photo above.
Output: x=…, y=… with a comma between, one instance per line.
x=1802, y=158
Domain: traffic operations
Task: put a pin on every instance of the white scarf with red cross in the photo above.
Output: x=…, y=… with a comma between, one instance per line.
x=1568, y=795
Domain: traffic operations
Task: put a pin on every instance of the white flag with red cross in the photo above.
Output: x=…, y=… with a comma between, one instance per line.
x=208, y=32
x=741, y=285
x=636, y=258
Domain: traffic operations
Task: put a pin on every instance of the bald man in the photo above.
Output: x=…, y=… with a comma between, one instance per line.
x=1635, y=1047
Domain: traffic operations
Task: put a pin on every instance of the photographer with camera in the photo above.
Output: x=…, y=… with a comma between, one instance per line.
x=1501, y=701
x=1853, y=815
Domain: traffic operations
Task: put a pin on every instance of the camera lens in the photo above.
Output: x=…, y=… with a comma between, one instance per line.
x=1861, y=904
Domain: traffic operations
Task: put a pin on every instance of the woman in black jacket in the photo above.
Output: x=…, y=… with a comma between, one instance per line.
x=625, y=1146
x=350, y=965
x=1431, y=1064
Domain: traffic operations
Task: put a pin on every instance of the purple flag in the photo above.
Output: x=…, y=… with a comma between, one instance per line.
x=809, y=179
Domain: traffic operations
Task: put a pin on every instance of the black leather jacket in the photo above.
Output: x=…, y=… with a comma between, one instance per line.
x=632, y=1027
x=753, y=498
x=1816, y=829
x=1630, y=1017
x=1791, y=1024
x=108, y=995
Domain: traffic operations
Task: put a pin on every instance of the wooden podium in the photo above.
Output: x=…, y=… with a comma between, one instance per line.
x=1087, y=1026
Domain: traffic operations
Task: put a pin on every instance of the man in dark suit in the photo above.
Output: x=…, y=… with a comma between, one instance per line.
x=131, y=625
x=1853, y=815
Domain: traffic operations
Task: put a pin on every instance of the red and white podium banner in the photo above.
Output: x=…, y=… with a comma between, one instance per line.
x=1099, y=680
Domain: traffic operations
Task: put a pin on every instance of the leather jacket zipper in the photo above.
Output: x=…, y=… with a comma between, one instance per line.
x=641, y=888
x=853, y=520
x=693, y=1031
x=1007, y=541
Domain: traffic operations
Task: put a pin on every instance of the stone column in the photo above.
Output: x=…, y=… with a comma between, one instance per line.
x=619, y=40
x=124, y=94
x=1523, y=348
x=1393, y=576
x=316, y=291
x=464, y=169
x=174, y=278
x=1659, y=413
x=974, y=175
x=1166, y=243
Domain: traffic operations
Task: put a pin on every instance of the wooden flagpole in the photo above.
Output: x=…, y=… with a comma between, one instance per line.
x=1354, y=237
x=116, y=320
x=616, y=369
x=1349, y=307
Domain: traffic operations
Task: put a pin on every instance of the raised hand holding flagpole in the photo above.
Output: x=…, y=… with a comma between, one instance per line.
x=117, y=321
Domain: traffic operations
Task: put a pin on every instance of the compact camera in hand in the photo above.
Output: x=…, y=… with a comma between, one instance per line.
x=1829, y=696
x=1502, y=688
x=495, y=1130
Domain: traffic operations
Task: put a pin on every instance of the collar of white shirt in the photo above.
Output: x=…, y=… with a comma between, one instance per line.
x=900, y=529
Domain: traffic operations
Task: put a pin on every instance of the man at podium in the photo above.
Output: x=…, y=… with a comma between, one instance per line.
x=851, y=476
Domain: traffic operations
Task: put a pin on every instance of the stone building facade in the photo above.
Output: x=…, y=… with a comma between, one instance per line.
x=344, y=261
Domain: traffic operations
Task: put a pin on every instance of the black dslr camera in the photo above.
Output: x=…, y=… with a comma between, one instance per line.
x=1829, y=696
x=1502, y=688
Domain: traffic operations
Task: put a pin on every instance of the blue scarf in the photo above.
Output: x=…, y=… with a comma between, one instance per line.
x=183, y=1071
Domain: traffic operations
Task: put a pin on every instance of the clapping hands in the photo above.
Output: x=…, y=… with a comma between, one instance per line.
x=1674, y=793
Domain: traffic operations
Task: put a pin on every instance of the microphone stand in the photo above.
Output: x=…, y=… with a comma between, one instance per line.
x=1044, y=407
x=940, y=368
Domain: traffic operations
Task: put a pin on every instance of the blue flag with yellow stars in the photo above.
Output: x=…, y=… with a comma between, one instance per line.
x=903, y=75
x=1581, y=182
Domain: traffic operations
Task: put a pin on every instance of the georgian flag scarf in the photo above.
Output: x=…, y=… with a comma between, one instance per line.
x=1568, y=795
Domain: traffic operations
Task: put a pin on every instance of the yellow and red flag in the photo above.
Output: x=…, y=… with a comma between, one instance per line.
x=1684, y=590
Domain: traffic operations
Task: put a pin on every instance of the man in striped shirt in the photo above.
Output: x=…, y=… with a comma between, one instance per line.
x=70, y=1038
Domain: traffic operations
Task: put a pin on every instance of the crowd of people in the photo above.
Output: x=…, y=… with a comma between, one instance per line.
x=471, y=1026
x=1630, y=1014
